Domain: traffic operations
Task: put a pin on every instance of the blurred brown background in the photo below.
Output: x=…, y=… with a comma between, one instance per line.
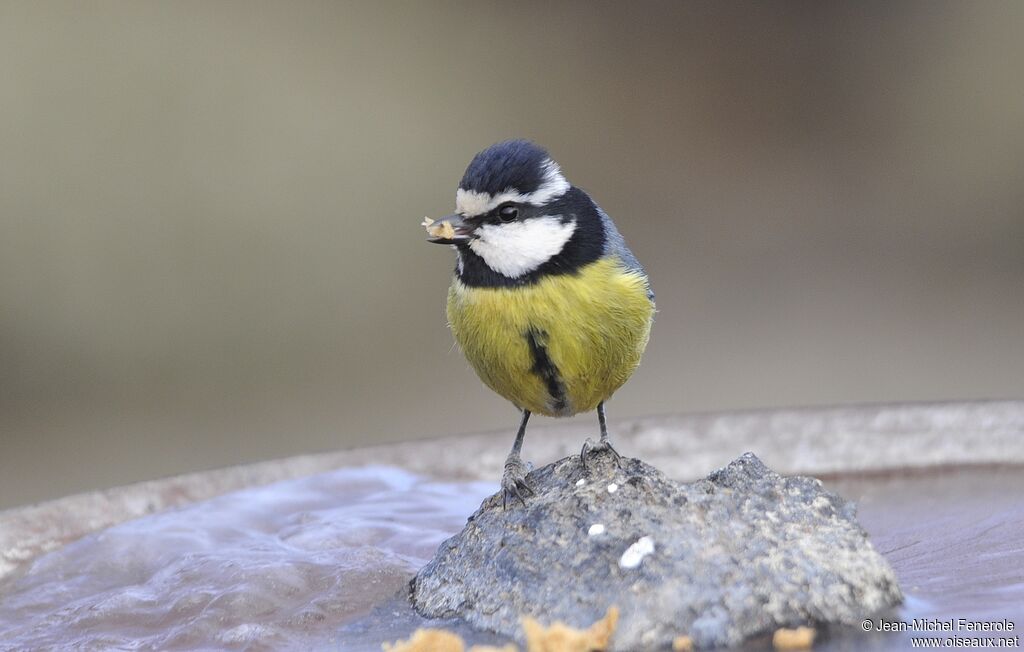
x=209, y=240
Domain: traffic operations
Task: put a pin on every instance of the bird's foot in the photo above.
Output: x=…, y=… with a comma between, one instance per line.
x=590, y=446
x=513, y=482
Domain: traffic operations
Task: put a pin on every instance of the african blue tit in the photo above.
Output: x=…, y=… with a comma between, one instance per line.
x=548, y=304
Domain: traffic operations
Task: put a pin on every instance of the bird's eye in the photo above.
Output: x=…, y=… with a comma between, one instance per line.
x=508, y=213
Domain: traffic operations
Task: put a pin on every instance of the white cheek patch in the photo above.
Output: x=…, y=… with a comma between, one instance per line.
x=518, y=248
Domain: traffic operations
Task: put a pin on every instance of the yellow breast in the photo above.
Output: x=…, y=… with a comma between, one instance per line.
x=561, y=345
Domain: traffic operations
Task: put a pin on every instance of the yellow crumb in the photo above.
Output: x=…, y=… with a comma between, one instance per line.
x=559, y=637
x=801, y=638
x=443, y=229
x=427, y=640
x=682, y=644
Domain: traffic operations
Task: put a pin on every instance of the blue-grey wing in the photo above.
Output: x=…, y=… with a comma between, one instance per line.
x=615, y=245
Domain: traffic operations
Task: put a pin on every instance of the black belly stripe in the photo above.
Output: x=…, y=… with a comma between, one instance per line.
x=545, y=368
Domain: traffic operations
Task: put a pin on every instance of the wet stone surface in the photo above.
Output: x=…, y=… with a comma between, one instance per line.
x=730, y=557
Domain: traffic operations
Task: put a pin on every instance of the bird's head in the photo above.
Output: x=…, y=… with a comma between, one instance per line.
x=516, y=218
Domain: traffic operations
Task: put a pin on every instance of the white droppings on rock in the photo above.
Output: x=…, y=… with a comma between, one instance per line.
x=596, y=529
x=581, y=482
x=612, y=488
x=710, y=536
x=636, y=552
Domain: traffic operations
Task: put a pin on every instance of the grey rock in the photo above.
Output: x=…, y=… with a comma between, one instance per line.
x=735, y=555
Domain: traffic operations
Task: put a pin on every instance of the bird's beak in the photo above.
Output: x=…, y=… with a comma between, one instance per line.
x=450, y=230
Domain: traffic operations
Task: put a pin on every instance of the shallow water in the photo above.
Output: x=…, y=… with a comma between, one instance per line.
x=276, y=567
x=317, y=563
x=955, y=537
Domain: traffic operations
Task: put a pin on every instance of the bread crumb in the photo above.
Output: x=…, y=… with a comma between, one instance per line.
x=560, y=637
x=801, y=638
x=435, y=229
x=428, y=640
x=682, y=644
x=557, y=637
x=612, y=488
x=596, y=529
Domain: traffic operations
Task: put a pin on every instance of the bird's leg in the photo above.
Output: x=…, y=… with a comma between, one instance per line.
x=513, y=480
x=604, y=445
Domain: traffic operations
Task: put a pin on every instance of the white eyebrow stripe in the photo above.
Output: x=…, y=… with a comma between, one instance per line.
x=470, y=203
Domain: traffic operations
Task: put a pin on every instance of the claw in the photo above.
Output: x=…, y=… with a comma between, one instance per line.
x=589, y=446
x=513, y=483
x=516, y=493
x=516, y=489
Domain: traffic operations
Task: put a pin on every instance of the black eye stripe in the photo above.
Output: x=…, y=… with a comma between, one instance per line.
x=585, y=246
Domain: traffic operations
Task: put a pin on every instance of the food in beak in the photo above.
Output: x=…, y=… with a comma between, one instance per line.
x=442, y=229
